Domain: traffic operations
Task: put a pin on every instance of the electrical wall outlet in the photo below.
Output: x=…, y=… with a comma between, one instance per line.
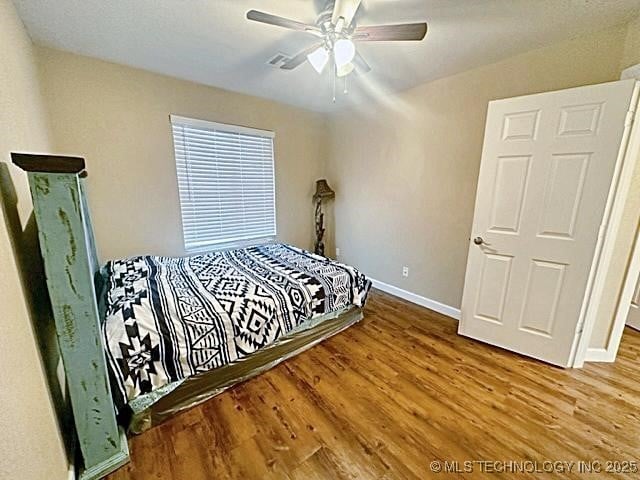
x=337, y=251
x=405, y=271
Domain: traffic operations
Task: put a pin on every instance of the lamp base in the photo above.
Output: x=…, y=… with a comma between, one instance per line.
x=319, y=219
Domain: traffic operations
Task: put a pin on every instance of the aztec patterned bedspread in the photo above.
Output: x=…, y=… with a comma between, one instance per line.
x=170, y=318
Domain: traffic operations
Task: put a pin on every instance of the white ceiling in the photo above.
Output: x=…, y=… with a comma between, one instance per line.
x=211, y=42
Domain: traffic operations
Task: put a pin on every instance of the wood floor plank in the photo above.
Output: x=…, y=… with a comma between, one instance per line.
x=390, y=395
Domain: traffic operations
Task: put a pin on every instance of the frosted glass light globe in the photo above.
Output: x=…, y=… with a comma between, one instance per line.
x=318, y=59
x=344, y=51
x=345, y=69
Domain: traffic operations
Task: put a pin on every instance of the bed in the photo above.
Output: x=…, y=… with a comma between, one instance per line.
x=173, y=323
x=146, y=337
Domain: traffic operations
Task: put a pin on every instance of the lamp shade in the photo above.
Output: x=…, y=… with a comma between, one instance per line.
x=323, y=190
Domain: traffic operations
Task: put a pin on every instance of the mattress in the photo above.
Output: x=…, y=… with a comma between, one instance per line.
x=170, y=318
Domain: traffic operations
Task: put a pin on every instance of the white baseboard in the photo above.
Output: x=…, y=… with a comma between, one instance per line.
x=635, y=324
x=434, y=305
x=599, y=355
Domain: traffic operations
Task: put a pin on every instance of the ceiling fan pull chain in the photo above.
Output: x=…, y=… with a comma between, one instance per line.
x=346, y=90
x=334, y=85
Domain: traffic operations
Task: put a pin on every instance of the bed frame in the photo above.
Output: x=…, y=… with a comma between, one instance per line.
x=72, y=268
x=71, y=265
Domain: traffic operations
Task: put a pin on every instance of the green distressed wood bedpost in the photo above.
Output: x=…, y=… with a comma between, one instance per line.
x=68, y=249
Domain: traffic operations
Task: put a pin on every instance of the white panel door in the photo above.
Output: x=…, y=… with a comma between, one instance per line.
x=547, y=166
x=633, y=319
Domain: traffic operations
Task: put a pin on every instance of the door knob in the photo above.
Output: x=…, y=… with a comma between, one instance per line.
x=478, y=241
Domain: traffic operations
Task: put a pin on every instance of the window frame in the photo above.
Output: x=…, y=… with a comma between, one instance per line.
x=177, y=120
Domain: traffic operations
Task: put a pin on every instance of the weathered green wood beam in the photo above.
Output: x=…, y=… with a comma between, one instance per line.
x=68, y=249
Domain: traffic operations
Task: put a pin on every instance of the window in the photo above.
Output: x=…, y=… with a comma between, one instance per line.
x=226, y=183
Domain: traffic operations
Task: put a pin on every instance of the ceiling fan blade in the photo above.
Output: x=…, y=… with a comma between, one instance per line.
x=300, y=58
x=390, y=33
x=267, y=18
x=345, y=9
x=361, y=64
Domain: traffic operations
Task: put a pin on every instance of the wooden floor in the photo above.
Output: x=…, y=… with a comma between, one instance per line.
x=393, y=394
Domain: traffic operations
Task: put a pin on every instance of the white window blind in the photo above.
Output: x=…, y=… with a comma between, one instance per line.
x=226, y=181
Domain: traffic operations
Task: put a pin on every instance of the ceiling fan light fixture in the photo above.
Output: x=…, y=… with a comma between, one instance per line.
x=344, y=70
x=318, y=59
x=337, y=28
x=344, y=51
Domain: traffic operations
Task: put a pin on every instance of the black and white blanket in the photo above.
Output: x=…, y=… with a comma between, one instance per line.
x=170, y=318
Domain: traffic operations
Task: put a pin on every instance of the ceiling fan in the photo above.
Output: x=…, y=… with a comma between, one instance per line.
x=337, y=32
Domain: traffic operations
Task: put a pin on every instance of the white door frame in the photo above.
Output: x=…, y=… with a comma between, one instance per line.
x=628, y=159
x=626, y=295
x=633, y=317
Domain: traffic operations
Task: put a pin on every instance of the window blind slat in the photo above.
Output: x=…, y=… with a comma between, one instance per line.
x=226, y=182
x=260, y=215
x=223, y=172
x=233, y=227
x=214, y=132
x=195, y=148
x=212, y=139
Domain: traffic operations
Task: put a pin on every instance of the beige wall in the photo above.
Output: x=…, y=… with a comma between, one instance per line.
x=31, y=447
x=118, y=118
x=406, y=179
x=631, y=54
